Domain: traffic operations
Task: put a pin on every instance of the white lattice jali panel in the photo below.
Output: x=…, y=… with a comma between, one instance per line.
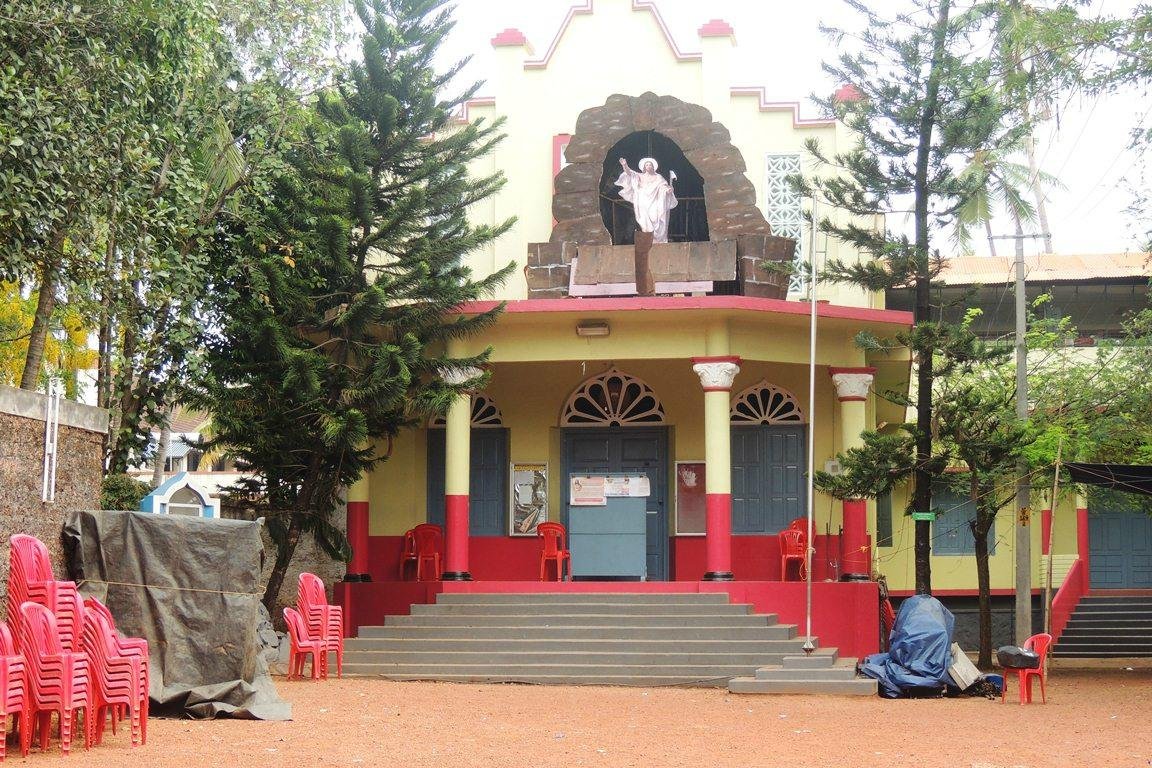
x=784, y=212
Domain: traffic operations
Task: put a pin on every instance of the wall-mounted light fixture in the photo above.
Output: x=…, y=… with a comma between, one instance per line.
x=593, y=328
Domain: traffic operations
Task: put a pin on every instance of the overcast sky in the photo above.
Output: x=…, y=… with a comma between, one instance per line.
x=780, y=47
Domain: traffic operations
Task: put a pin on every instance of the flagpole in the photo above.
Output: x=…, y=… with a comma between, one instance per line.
x=808, y=645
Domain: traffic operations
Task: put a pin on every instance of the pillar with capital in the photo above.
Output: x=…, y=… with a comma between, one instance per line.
x=852, y=387
x=457, y=469
x=716, y=376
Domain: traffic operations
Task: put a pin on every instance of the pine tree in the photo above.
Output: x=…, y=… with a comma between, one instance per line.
x=336, y=327
x=925, y=99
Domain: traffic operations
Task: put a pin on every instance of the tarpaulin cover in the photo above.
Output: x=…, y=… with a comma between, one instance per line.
x=1134, y=478
x=919, y=651
x=191, y=587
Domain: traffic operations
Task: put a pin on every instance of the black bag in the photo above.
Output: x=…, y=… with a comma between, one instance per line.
x=1015, y=657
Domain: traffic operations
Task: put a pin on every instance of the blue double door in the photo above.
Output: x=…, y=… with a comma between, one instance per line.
x=1119, y=549
x=630, y=451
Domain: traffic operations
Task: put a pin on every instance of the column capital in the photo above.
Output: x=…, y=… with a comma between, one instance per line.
x=458, y=376
x=852, y=384
x=716, y=373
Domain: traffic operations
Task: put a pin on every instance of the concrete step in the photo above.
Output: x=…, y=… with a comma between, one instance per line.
x=845, y=669
x=568, y=658
x=562, y=619
x=613, y=645
x=861, y=686
x=568, y=598
x=635, y=681
x=1105, y=630
x=1078, y=653
x=581, y=609
x=1108, y=644
x=1098, y=611
x=818, y=659
x=514, y=671
x=771, y=632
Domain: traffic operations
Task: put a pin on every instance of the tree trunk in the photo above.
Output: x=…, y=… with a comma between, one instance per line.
x=983, y=580
x=922, y=491
x=45, y=304
x=284, y=556
x=161, y=452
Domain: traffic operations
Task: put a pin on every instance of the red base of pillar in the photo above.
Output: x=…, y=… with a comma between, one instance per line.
x=1045, y=531
x=357, y=526
x=718, y=537
x=1082, y=545
x=456, y=538
x=855, y=561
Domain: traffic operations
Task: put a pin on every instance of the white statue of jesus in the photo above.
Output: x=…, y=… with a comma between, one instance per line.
x=650, y=195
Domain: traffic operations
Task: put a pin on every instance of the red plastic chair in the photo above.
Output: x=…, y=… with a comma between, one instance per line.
x=793, y=547
x=429, y=539
x=59, y=681
x=1040, y=643
x=14, y=698
x=799, y=524
x=30, y=579
x=555, y=549
x=120, y=680
x=300, y=645
x=120, y=646
x=323, y=621
x=408, y=554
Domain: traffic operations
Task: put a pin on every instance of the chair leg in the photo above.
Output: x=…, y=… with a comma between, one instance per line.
x=1043, y=694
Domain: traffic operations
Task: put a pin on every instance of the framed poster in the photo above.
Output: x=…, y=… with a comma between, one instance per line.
x=586, y=491
x=691, y=498
x=529, y=497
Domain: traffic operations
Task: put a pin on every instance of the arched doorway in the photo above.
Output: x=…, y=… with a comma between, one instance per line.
x=769, y=449
x=614, y=423
x=687, y=222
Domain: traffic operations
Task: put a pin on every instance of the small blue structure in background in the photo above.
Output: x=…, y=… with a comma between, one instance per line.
x=178, y=496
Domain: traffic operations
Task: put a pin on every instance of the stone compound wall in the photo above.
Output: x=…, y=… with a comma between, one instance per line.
x=78, y=471
x=729, y=196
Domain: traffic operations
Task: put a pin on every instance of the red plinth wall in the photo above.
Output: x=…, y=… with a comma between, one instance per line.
x=357, y=520
x=718, y=523
x=856, y=555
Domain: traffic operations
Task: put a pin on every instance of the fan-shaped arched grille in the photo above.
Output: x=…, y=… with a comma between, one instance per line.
x=485, y=413
x=612, y=399
x=766, y=403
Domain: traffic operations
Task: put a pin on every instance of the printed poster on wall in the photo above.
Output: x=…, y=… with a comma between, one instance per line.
x=628, y=485
x=586, y=491
x=529, y=497
x=691, y=498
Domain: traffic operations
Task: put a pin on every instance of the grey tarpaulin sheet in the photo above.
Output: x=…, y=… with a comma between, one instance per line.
x=191, y=587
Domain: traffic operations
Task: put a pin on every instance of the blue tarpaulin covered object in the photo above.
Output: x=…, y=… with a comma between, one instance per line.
x=919, y=651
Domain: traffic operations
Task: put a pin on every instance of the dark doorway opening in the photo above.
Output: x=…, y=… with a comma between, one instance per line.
x=687, y=222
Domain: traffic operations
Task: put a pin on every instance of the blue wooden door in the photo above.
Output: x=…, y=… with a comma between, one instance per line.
x=1120, y=550
x=768, y=487
x=633, y=451
x=487, y=481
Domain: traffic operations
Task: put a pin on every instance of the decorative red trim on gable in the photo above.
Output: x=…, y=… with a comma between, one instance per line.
x=509, y=37
x=847, y=92
x=781, y=106
x=586, y=8
x=674, y=303
x=717, y=28
x=484, y=101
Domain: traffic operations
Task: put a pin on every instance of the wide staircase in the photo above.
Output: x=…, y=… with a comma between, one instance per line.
x=1107, y=627
x=574, y=639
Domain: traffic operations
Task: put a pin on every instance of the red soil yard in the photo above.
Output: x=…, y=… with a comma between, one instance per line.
x=1092, y=719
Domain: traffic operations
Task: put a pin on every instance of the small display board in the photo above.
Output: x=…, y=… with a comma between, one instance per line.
x=929, y=516
x=595, y=490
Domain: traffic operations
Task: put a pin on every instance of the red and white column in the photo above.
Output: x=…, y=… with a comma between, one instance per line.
x=716, y=376
x=457, y=467
x=852, y=387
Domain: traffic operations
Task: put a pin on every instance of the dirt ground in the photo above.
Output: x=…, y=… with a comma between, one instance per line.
x=1091, y=719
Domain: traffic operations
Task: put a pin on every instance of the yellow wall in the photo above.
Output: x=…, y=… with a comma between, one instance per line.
x=540, y=103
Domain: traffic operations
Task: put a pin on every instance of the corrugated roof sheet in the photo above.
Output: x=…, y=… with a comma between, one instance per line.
x=1048, y=267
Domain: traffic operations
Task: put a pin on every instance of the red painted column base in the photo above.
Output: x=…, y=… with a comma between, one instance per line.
x=718, y=537
x=856, y=558
x=456, y=538
x=1045, y=531
x=357, y=527
x=1082, y=545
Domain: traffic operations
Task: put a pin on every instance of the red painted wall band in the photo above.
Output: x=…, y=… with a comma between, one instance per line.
x=856, y=555
x=1082, y=545
x=718, y=533
x=1045, y=531
x=456, y=533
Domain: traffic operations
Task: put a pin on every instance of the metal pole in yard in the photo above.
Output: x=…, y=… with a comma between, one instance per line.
x=808, y=645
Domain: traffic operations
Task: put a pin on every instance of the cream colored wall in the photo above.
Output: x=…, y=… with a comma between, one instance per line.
x=956, y=572
x=539, y=103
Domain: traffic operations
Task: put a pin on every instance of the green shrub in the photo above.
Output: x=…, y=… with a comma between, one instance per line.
x=122, y=491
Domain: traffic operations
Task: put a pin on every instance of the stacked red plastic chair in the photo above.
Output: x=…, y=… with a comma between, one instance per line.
x=30, y=579
x=301, y=644
x=60, y=681
x=120, y=671
x=14, y=697
x=324, y=622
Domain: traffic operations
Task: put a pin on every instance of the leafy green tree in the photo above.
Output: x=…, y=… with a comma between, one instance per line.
x=337, y=321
